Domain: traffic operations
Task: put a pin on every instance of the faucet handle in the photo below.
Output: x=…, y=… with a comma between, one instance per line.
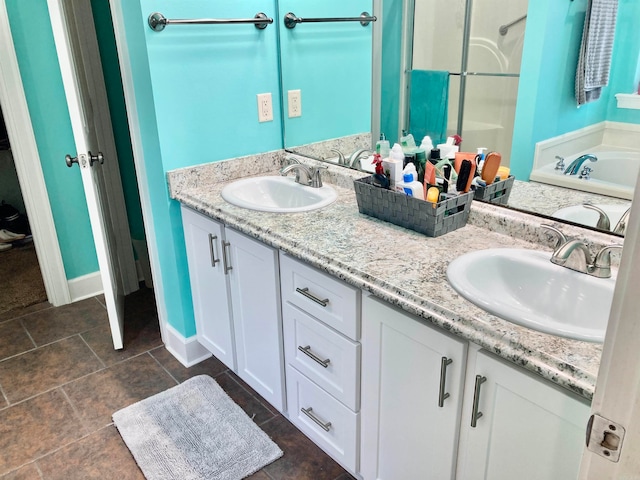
x=341, y=159
x=603, y=220
x=560, y=237
x=316, y=178
x=621, y=226
x=602, y=263
x=560, y=163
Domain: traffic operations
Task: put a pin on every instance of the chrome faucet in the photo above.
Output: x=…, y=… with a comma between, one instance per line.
x=574, y=167
x=354, y=158
x=621, y=226
x=308, y=176
x=599, y=267
x=604, y=222
x=341, y=159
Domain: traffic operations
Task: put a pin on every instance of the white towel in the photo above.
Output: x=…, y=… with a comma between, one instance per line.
x=596, y=49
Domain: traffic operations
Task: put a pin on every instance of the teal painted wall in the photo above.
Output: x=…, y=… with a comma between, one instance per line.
x=391, y=63
x=195, y=89
x=331, y=64
x=546, y=100
x=38, y=62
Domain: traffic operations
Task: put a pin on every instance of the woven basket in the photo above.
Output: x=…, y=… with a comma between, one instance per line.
x=408, y=212
x=497, y=192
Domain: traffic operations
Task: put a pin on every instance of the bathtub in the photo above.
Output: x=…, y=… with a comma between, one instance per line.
x=614, y=174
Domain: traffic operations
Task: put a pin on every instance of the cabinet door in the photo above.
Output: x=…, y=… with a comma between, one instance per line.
x=209, y=289
x=405, y=433
x=529, y=428
x=257, y=320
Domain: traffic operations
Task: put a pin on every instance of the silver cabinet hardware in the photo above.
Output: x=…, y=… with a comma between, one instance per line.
x=214, y=260
x=307, y=351
x=225, y=262
x=325, y=426
x=475, y=414
x=158, y=21
x=305, y=291
x=443, y=380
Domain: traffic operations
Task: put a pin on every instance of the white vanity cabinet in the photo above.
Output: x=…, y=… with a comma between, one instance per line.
x=321, y=317
x=235, y=287
x=529, y=428
x=525, y=427
x=412, y=387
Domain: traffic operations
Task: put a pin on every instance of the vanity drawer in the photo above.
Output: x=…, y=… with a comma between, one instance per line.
x=322, y=296
x=331, y=425
x=329, y=359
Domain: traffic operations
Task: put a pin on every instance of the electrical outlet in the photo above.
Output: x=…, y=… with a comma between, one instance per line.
x=265, y=107
x=295, y=103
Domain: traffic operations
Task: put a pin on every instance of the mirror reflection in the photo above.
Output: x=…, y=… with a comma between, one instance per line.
x=518, y=96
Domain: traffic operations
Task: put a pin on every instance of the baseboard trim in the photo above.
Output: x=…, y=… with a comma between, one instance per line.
x=186, y=350
x=85, y=286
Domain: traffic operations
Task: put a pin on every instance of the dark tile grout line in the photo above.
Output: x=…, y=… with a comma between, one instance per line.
x=76, y=413
x=22, y=315
x=70, y=381
x=24, y=327
x=84, y=340
x=50, y=452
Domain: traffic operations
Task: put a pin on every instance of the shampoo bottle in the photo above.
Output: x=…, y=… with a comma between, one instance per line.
x=412, y=187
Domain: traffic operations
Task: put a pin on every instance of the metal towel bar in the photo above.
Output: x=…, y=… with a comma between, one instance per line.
x=158, y=21
x=291, y=20
x=504, y=29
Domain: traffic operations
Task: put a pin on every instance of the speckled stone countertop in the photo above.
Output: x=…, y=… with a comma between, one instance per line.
x=399, y=266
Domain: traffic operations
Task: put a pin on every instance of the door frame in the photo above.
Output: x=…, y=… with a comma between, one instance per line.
x=30, y=175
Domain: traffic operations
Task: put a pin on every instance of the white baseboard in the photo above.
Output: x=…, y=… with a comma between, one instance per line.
x=85, y=286
x=186, y=350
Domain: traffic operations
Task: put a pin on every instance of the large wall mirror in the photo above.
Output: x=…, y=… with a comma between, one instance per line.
x=511, y=69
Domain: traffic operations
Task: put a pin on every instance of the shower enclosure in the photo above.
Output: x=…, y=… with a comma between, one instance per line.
x=479, y=42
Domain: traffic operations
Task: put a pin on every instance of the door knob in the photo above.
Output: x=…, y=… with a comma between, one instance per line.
x=96, y=158
x=70, y=160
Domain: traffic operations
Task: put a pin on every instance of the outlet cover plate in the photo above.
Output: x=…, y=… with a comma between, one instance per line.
x=294, y=101
x=265, y=107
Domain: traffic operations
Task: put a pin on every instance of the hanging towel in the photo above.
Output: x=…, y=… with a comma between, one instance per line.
x=428, y=103
x=596, y=48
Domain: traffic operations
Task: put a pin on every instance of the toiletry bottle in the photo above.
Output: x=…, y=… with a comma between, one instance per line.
x=434, y=155
x=426, y=144
x=409, y=174
x=382, y=147
x=393, y=165
x=379, y=178
x=407, y=142
x=412, y=187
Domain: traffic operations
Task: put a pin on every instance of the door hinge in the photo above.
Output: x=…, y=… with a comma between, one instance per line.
x=605, y=437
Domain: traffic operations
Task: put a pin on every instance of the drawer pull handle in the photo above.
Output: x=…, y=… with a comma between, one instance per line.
x=325, y=426
x=227, y=264
x=305, y=291
x=445, y=362
x=307, y=351
x=214, y=260
x=475, y=414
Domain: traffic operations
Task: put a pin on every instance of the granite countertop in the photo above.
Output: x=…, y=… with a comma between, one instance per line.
x=402, y=267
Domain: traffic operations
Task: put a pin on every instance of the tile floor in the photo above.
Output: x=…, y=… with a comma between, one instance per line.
x=60, y=381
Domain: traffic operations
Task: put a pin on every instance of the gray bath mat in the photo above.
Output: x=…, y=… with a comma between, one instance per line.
x=194, y=431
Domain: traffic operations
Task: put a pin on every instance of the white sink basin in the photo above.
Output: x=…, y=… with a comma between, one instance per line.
x=524, y=287
x=277, y=194
x=584, y=216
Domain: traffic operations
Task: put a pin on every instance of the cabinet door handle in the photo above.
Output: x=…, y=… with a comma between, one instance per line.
x=325, y=426
x=225, y=262
x=443, y=380
x=307, y=351
x=475, y=414
x=214, y=260
x=305, y=291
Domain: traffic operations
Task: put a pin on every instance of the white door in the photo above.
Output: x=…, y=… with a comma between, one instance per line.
x=95, y=177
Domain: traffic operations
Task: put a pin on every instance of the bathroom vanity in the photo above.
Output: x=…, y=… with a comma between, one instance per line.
x=349, y=327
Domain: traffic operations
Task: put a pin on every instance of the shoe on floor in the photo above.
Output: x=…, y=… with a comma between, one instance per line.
x=7, y=236
x=5, y=246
